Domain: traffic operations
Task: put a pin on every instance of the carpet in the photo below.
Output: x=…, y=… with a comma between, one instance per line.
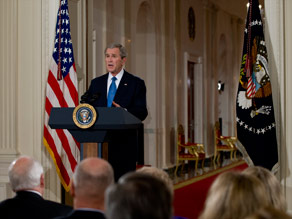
x=190, y=195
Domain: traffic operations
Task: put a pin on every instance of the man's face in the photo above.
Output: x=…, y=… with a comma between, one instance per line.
x=114, y=62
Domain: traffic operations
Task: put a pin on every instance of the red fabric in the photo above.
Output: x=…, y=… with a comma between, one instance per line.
x=186, y=156
x=201, y=155
x=189, y=200
x=222, y=147
x=181, y=139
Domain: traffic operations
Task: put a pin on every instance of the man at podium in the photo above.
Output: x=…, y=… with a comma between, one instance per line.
x=119, y=88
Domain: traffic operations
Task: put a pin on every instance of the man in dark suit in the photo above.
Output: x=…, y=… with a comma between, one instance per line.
x=27, y=180
x=130, y=90
x=118, y=88
x=91, y=178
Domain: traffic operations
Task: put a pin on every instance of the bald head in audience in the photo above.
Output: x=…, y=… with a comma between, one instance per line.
x=91, y=178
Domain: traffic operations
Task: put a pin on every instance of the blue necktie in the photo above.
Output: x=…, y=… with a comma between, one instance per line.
x=111, y=92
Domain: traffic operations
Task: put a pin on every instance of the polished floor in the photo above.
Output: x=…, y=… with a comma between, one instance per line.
x=189, y=172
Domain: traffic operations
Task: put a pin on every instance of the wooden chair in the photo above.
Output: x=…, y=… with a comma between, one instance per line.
x=223, y=144
x=188, y=151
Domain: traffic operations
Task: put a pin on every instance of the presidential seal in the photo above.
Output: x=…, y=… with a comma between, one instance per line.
x=84, y=115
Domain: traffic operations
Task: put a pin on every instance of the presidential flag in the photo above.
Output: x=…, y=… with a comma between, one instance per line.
x=256, y=128
x=61, y=91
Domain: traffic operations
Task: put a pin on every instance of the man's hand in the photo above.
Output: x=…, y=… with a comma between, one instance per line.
x=115, y=104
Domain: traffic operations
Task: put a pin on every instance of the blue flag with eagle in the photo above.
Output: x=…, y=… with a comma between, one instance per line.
x=256, y=129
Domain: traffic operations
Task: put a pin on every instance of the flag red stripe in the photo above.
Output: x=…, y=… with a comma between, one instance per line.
x=250, y=88
x=66, y=146
x=48, y=106
x=72, y=89
x=58, y=160
x=52, y=81
x=63, y=139
x=74, y=67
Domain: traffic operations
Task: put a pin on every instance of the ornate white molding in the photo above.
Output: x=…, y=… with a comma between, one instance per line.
x=8, y=94
x=48, y=18
x=8, y=77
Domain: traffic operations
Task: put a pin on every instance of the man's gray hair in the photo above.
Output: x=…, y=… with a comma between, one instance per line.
x=123, y=51
x=25, y=176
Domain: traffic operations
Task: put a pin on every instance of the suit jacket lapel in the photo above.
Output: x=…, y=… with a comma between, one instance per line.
x=123, y=86
x=104, y=88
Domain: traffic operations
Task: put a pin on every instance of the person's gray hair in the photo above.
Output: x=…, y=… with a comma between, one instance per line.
x=161, y=174
x=26, y=175
x=123, y=51
x=136, y=195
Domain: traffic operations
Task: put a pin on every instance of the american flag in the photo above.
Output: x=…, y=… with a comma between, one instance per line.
x=61, y=91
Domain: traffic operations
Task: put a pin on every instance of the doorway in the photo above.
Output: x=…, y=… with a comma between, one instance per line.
x=194, y=98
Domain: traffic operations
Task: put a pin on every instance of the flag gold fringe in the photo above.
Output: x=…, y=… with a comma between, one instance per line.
x=245, y=155
x=66, y=187
x=247, y=159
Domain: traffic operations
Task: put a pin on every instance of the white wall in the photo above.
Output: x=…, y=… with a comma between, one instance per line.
x=26, y=46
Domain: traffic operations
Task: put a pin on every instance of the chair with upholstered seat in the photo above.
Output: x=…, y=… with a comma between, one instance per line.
x=188, y=151
x=223, y=144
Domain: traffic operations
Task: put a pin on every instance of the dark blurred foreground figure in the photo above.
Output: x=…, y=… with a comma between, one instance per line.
x=164, y=177
x=138, y=196
x=272, y=185
x=160, y=174
x=91, y=178
x=27, y=180
x=234, y=195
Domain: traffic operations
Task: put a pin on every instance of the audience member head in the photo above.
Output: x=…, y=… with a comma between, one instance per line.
x=138, y=195
x=25, y=173
x=159, y=173
x=269, y=213
x=91, y=178
x=272, y=185
x=234, y=195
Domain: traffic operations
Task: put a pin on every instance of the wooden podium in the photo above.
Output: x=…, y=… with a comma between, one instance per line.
x=120, y=129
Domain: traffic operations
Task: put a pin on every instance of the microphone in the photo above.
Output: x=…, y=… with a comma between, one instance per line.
x=94, y=97
x=90, y=99
x=84, y=97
